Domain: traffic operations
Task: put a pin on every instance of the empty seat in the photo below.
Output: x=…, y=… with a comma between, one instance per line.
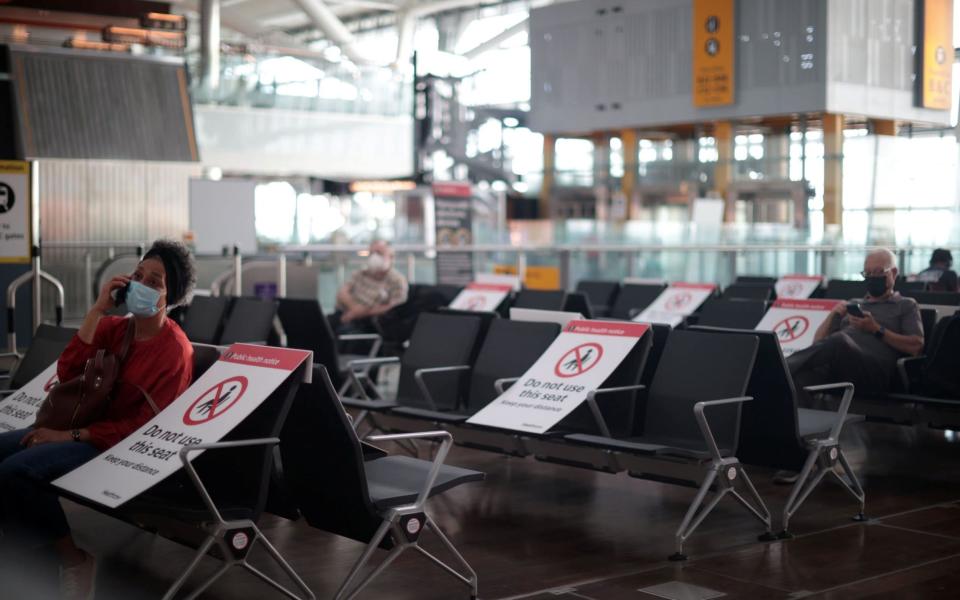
x=633, y=298
x=749, y=291
x=540, y=299
x=934, y=298
x=45, y=348
x=776, y=433
x=250, y=320
x=509, y=349
x=203, y=322
x=843, y=289
x=692, y=423
x=576, y=302
x=736, y=314
x=339, y=489
x=438, y=340
x=600, y=294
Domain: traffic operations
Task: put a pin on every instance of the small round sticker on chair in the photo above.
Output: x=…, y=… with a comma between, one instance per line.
x=732, y=473
x=240, y=540
x=833, y=454
x=413, y=526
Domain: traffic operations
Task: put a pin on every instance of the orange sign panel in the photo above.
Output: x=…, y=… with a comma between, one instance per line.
x=937, y=54
x=713, y=52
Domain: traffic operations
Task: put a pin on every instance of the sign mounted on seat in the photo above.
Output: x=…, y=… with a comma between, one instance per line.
x=19, y=409
x=797, y=287
x=217, y=402
x=796, y=322
x=577, y=362
x=676, y=302
x=481, y=297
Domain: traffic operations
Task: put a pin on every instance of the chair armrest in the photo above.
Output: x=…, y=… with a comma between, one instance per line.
x=353, y=374
x=418, y=377
x=908, y=369
x=376, y=338
x=845, y=401
x=364, y=362
x=353, y=337
x=595, y=409
x=446, y=441
x=501, y=384
x=698, y=413
x=197, y=483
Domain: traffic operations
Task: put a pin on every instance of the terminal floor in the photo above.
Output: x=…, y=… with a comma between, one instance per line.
x=547, y=532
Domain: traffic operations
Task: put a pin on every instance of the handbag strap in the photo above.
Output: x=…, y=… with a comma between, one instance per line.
x=146, y=395
x=127, y=340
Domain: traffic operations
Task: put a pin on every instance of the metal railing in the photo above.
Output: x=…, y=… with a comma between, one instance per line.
x=36, y=276
x=332, y=264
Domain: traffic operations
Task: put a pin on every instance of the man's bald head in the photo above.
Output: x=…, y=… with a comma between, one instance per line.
x=879, y=260
x=880, y=271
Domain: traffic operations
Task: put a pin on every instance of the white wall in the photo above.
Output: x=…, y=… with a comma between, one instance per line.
x=263, y=141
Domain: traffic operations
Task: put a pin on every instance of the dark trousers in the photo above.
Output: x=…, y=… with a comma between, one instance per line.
x=27, y=506
x=837, y=358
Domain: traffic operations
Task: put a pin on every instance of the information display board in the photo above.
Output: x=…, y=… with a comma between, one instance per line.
x=676, y=302
x=453, y=210
x=578, y=361
x=217, y=402
x=796, y=322
x=15, y=211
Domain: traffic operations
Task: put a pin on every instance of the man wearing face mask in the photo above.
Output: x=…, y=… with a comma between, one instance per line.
x=159, y=361
x=864, y=350
x=374, y=290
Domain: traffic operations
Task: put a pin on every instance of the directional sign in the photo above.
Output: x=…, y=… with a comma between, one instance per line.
x=217, y=402
x=796, y=322
x=19, y=409
x=481, y=296
x=578, y=361
x=797, y=287
x=676, y=302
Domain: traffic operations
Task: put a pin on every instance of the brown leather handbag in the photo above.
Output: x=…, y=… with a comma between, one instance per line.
x=84, y=399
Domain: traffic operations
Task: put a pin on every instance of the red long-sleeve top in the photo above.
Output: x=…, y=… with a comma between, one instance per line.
x=161, y=365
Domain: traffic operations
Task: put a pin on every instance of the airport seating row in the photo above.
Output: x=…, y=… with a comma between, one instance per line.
x=296, y=456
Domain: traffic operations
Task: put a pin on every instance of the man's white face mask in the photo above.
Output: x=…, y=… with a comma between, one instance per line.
x=377, y=263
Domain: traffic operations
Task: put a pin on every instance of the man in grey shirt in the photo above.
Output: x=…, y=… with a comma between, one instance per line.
x=864, y=350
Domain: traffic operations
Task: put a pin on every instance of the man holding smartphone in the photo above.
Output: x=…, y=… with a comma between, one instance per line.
x=861, y=341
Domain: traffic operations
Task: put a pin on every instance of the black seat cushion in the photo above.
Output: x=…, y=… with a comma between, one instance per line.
x=813, y=423
x=396, y=480
x=426, y=414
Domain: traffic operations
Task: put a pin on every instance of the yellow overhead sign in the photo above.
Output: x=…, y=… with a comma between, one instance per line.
x=713, y=52
x=937, y=54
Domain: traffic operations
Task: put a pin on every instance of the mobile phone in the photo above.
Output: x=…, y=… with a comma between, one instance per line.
x=854, y=309
x=120, y=296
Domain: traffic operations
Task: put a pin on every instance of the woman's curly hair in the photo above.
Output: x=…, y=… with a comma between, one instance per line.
x=179, y=266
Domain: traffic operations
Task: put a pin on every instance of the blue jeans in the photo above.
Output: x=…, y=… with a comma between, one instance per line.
x=25, y=500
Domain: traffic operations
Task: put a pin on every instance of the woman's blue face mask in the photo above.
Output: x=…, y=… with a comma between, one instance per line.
x=142, y=300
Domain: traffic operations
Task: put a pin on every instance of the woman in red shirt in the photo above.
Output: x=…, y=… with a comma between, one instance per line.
x=160, y=361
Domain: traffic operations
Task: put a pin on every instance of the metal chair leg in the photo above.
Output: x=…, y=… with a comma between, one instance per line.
x=364, y=558
x=471, y=581
x=692, y=511
x=197, y=557
x=853, y=486
x=278, y=558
